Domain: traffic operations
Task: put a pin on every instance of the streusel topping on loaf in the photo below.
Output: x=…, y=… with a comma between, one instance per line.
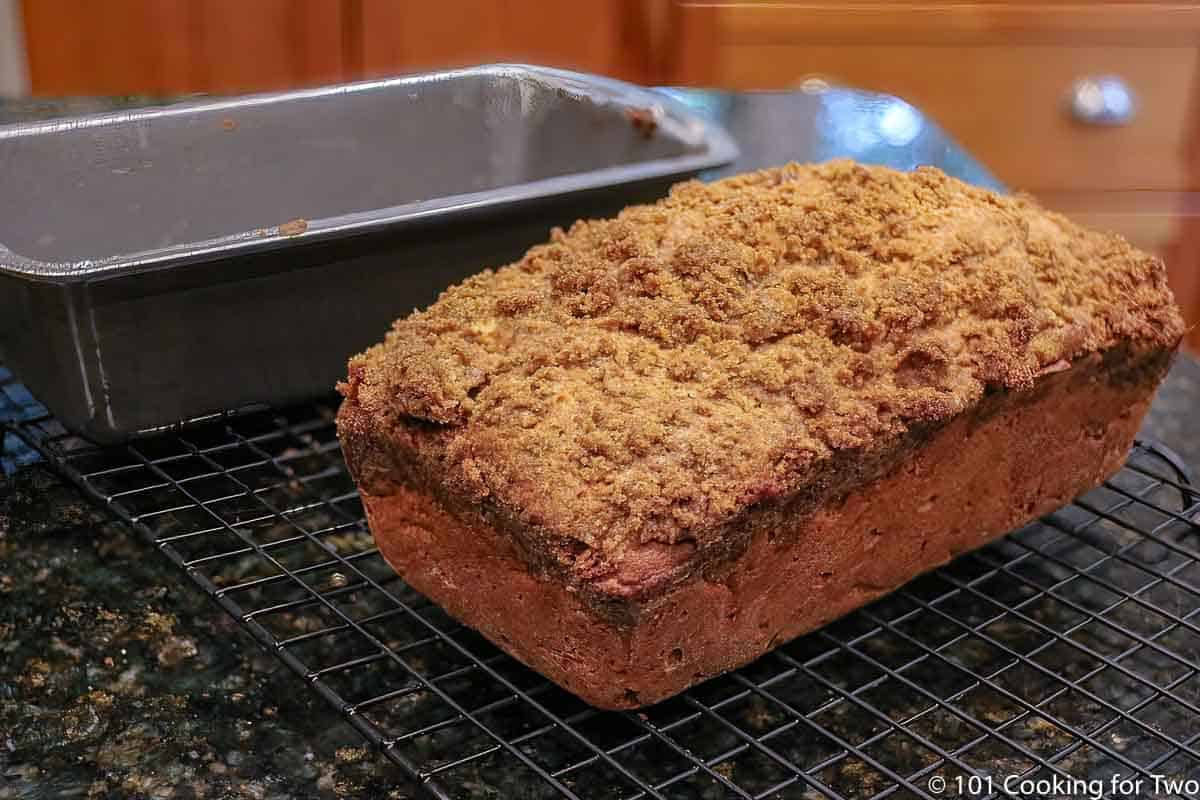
x=648, y=377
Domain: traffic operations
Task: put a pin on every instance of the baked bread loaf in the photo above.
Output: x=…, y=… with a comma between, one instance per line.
x=660, y=444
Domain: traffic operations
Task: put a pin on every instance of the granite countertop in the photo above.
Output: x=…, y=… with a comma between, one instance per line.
x=119, y=680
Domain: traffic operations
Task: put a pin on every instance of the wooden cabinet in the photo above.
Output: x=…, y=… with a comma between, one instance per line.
x=605, y=37
x=1010, y=103
x=171, y=46
x=997, y=76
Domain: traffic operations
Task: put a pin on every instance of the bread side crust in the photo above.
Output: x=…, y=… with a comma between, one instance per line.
x=1013, y=457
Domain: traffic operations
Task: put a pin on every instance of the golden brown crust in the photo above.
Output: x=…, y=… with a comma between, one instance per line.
x=622, y=393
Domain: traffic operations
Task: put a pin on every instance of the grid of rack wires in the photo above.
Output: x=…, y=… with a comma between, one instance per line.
x=1069, y=648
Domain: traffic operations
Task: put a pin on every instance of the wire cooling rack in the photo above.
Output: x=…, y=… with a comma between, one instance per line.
x=1069, y=649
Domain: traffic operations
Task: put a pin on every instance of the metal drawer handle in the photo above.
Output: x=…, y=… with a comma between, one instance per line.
x=1103, y=100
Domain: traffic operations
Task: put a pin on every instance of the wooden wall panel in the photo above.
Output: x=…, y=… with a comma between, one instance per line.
x=598, y=36
x=271, y=43
x=173, y=46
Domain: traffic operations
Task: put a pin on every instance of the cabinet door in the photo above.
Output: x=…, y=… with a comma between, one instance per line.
x=174, y=46
x=611, y=37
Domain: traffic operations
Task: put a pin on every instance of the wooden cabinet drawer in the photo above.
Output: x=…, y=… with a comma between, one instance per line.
x=1149, y=220
x=1007, y=104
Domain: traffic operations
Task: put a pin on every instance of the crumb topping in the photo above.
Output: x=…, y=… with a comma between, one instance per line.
x=645, y=378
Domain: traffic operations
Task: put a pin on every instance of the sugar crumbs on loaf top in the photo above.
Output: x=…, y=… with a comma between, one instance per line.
x=644, y=379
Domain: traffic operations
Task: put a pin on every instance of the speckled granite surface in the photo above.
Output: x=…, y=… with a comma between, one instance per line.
x=1174, y=418
x=119, y=680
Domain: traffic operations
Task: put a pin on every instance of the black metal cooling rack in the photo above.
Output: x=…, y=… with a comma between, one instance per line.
x=1070, y=648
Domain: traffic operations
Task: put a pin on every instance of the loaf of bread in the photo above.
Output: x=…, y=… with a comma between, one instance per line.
x=661, y=444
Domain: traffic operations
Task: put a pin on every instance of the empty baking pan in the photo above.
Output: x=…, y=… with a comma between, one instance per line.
x=163, y=263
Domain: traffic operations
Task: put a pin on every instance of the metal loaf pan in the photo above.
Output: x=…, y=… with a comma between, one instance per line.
x=161, y=264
